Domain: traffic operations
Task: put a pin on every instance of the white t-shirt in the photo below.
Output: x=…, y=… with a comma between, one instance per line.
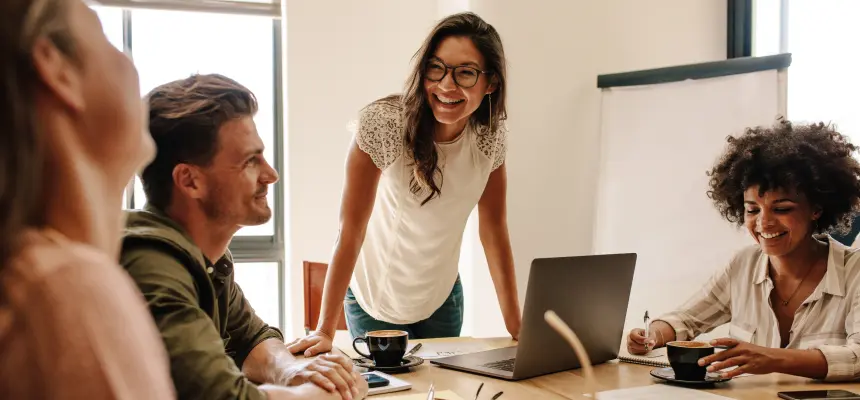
x=409, y=261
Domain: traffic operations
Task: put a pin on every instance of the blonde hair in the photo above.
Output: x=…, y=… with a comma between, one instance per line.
x=22, y=156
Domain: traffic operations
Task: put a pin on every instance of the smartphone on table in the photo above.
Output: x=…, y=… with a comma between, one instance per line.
x=819, y=395
x=374, y=380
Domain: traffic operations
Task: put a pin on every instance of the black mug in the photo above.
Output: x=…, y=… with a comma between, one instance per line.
x=684, y=358
x=386, y=347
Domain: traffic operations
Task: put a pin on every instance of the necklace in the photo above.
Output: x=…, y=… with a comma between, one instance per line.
x=785, y=302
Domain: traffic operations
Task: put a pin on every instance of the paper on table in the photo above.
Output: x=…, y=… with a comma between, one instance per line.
x=443, y=395
x=439, y=349
x=654, y=358
x=656, y=353
x=657, y=392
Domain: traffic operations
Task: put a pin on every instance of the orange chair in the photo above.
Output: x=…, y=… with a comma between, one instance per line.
x=314, y=276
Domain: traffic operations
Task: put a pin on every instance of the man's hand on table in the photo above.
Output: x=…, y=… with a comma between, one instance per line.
x=306, y=391
x=332, y=372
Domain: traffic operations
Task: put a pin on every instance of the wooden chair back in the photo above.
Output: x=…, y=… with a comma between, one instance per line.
x=314, y=281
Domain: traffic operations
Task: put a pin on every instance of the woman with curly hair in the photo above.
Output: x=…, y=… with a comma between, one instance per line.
x=791, y=299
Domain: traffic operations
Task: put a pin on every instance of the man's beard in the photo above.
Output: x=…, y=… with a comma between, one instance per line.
x=218, y=211
x=214, y=210
x=260, y=218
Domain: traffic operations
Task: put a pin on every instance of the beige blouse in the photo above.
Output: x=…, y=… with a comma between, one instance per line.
x=739, y=295
x=74, y=326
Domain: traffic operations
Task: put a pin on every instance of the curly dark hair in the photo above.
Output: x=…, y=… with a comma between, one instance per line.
x=812, y=159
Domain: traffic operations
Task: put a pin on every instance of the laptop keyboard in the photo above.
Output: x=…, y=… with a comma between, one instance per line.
x=504, y=365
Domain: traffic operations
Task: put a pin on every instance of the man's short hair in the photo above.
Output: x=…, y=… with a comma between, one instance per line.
x=184, y=119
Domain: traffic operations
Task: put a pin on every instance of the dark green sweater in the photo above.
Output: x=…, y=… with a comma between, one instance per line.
x=207, y=325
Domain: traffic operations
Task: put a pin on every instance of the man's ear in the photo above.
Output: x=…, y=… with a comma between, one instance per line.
x=59, y=74
x=189, y=180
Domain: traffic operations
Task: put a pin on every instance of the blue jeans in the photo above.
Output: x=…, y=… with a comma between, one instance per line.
x=446, y=321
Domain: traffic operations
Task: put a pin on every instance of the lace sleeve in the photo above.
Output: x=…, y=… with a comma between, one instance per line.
x=494, y=145
x=379, y=133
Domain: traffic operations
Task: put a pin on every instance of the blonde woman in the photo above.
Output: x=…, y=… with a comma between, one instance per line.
x=72, y=325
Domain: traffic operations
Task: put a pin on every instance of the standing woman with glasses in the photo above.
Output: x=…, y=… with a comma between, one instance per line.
x=419, y=164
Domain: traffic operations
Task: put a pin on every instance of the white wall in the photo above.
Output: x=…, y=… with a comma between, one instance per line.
x=658, y=33
x=556, y=49
x=341, y=54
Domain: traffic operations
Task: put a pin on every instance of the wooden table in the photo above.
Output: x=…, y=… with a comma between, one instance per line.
x=571, y=384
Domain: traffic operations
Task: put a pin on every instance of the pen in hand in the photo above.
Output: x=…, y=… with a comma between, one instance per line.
x=647, y=331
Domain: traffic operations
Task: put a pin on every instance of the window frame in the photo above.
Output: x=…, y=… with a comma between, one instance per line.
x=263, y=8
x=246, y=249
x=739, y=28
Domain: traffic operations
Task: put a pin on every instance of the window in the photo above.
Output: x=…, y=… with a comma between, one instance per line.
x=819, y=35
x=766, y=27
x=245, y=48
x=259, y=282
x=111, y=19
x=199, y=43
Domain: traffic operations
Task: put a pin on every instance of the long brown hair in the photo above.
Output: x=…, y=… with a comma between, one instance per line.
x=418, y=118
x=22, y=155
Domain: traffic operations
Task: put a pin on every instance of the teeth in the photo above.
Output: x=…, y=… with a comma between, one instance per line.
x=771, y=235
x=448, y=100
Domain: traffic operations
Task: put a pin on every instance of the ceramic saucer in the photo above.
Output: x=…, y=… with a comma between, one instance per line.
x=406, y=363
x=667, y=374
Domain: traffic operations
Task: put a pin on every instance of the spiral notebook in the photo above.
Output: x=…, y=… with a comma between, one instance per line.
x=655, y=358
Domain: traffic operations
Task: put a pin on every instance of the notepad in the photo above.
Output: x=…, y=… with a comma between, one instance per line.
x=654, y=358
x=443, y=395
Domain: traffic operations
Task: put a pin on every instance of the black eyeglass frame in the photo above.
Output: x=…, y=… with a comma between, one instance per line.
x=453, y=70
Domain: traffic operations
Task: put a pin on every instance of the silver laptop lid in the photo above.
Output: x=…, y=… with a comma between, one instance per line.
x=590, y=293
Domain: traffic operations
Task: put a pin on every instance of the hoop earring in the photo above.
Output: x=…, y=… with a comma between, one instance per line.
x=490, y=104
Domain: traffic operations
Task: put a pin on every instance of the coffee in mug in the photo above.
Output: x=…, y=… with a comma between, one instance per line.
x=386, y=347
x=684, y=358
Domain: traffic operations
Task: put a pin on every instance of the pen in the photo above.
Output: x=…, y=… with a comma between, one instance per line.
x=431, y=394
x=647, y=330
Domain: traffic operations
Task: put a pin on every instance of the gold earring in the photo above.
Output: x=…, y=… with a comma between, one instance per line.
x=490, y=98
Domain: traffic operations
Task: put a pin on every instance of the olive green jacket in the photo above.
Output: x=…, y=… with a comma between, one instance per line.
x=207, y=325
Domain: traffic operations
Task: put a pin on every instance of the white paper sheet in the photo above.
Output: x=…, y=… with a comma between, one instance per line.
x=440, y=349
x=658, y=392
x=437, y=348
x=441, y=395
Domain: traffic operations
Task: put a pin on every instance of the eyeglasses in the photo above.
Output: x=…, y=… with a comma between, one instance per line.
x=464, y=75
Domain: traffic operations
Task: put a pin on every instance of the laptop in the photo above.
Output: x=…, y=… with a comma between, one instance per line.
x=590, y=293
